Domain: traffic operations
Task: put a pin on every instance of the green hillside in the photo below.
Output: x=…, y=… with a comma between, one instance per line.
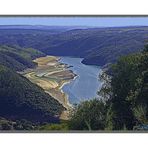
x=21, y=99
x=17, y=58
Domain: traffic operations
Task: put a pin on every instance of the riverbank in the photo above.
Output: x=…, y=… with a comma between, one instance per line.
x=86, y=84
x=52, y=75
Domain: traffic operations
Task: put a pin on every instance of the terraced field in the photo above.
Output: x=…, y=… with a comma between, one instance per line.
x=51, y=75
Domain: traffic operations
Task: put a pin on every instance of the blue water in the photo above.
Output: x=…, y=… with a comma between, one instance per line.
x=86, y=84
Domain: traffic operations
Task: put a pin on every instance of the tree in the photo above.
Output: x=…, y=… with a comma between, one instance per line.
x=89, y=115
x=129, y=86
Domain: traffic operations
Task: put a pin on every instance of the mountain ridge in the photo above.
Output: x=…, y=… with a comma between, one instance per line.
x=98, y=46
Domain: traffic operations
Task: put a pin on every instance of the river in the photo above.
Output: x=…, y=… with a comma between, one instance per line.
x=86, y=84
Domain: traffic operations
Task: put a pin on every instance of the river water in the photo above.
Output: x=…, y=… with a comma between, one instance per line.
x=86, y=84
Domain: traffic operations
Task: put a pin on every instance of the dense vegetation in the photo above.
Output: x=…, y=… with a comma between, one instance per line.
x=22, y=124
x=21, y=99
x=96, y=45
x=89, y=115
x=62, y=125
x=129, y=86
x=125, y=98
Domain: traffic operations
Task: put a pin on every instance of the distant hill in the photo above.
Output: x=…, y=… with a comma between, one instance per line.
x=21, y=99
x=100, y=45
x=97, y=46
x=49, y=29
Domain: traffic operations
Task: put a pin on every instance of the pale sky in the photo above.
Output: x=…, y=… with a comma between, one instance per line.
x=76, y=21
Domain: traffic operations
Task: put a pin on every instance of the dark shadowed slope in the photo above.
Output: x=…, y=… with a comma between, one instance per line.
x=21, y=99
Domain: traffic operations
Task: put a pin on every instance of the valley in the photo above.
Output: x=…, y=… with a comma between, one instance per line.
x=54, y=78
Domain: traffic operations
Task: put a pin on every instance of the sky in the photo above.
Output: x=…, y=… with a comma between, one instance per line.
x=76, y=21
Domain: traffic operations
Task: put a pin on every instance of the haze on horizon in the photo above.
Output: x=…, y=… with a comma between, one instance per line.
x=76, y=21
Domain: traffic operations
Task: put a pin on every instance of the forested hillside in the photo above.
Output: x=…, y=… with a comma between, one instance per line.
x=21, y=99
x=96, y=45
x=17, y=58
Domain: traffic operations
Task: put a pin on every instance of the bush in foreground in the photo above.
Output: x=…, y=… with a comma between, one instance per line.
x=89, y=115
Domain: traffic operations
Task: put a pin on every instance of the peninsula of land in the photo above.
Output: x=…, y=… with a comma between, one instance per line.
x=51, y=75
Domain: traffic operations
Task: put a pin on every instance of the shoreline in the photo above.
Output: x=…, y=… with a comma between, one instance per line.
x=64, y=85
x=52, y=75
